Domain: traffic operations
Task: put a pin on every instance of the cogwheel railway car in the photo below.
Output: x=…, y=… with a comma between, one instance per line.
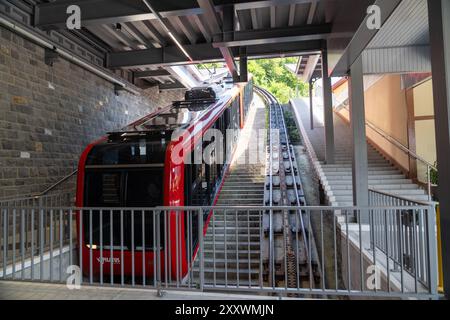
x=137, y=168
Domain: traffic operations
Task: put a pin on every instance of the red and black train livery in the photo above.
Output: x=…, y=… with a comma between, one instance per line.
x=135, y=168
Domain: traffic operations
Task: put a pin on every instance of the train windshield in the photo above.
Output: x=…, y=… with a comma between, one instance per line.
x=127, y=153
x=123, y=175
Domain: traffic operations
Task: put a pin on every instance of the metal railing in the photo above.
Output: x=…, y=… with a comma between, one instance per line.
x=406, y=150
x=50, y=197
x=213, y=249
x=342, y=104
x=401, y=234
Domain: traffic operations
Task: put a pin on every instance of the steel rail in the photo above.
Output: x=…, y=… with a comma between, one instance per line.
x=272, y=102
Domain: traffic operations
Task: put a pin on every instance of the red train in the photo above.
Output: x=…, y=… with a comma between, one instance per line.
x=138, y=168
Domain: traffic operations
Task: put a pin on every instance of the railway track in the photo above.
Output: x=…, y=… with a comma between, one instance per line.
x=262, y=248
x=291, y=260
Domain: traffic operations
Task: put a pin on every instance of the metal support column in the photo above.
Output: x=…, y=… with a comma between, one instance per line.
x=327, y=111
x=228, y=32
x=243, y=72
x=311, y=110
x=439, y=23
x=360, y=172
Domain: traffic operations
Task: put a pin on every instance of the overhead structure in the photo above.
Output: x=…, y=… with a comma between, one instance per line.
x=144, y=37
x=308, y=67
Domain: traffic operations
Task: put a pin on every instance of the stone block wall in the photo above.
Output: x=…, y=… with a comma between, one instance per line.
x=48, y=115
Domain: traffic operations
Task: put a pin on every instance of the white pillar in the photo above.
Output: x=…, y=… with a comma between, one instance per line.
x=358, y=128
x=327, y=111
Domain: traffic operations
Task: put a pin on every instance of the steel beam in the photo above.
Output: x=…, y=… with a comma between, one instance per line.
x=211, y=16
x=245, y=5
x=273, y=17
x=243, y=72
x=213, y=21
x=312, y=12
x=171, y=55
x=310, y=68
x=311, y=104
x=53, y=15
x=151, y=73
x=228, y=23
x=327, y=111
x=186, y=28
x=133, y=31
x=200, y=24
x=171, y=86
x=362, y=38
x=154, y=33
x=439, y=11
x=254, y=17
x=291, y=17
x=360, y=171
x=277, y=35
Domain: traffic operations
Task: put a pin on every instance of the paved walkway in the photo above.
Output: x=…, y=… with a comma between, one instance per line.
x=17, y=290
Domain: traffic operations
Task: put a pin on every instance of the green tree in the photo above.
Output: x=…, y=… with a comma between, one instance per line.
x=273, y=75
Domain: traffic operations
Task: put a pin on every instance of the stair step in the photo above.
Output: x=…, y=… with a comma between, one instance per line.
x=222, y=260
x=371, y=173
x=391, y=191
x=377, y=177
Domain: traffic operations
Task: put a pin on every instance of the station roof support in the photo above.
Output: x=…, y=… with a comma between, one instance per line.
x=360, y=166
x=228, y=26
x=278, y=35
x=362, y=38
x=243, y=70
x=202, y=52
x=53, y=15
x=328, y=111
x=439, y=11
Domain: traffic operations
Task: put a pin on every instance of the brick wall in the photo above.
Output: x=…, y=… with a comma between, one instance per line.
x=49, y=114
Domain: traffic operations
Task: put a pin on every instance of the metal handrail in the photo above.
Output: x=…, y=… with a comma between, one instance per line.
x=395, y=142
x=56, y=184
x=394, y=196
x=405, y=149
x=40, y=194
x=399, y=144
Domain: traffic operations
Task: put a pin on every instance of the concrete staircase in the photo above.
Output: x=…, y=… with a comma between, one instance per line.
x=383, y=176
x=336, y=179
x=232, y=242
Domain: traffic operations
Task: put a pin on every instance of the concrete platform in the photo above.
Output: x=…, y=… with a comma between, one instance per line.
x=17, y=290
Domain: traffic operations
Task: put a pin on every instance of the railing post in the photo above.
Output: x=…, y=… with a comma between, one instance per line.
x=432, y=250
x=201, y=249
x=429, y=183
x=157, y=228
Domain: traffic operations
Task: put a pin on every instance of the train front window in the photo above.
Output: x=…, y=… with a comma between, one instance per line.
x=139, y=151
x=144, y=188
x=122, y=188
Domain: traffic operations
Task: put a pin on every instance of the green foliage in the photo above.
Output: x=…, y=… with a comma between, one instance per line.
x=434, y=175
x=272, y=75
x=291, y=126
